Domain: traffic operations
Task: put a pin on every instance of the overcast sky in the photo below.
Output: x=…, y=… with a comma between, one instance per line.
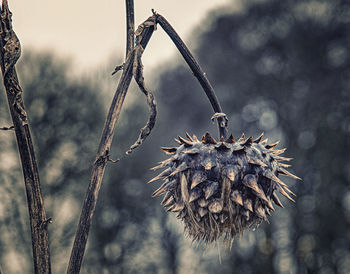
x=90, y=34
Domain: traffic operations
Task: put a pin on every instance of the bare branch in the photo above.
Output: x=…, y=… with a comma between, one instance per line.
x=10, y=52
x=197, y=71
x=98, y=168
x=130, y=26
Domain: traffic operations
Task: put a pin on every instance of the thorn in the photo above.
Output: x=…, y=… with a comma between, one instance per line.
x=257, y=162
x=248, y=204
x=285, y=194
x=279, y=158
x=230, y=140
x=169, y=202
x=195, y=139
x=189, y=137
x=202, y=211
x=207, y=139
x=46, y=222
x=276, y=200
x=229, y=172
x=251, y=182
x=195, y=194
x=184, y=141
x=242, y=139
x=210, y=189
x=161, y=175
x=272, y=146
x=221, y=146
x=169, y=150
x=258, y=140
x=248, y=142
x=284, y=165
x=178, y=207
x=167, y=197
x=237, y=197
x=279, y=151
x=264, y=142
x=284, y=172
x=169, y=185
x=177, y=141
x=197, y=178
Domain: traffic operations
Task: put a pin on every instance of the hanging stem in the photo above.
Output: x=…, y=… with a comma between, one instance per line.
x=197, y=72
x=10, y=52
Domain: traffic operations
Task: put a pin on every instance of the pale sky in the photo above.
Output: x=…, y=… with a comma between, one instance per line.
x=90, y=34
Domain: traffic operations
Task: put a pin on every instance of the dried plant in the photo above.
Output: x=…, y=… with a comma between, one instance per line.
x=218, y=187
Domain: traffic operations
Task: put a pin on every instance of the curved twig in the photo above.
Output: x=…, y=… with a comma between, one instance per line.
x=197, y=71
x=152, y=105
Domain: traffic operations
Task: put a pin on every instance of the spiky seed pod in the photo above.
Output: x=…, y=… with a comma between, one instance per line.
x=221, y=188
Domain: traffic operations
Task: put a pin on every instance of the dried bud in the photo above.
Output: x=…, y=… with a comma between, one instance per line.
x=222, y=188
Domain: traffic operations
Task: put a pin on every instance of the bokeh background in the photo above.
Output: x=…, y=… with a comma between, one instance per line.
x=278, y=67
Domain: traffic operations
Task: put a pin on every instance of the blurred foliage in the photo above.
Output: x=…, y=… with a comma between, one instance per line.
x=281, y=67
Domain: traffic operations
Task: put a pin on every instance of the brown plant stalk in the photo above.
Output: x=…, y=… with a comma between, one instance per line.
x=10, y=53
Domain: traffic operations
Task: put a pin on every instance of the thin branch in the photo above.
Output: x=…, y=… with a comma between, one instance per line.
x=81, y=236
x=10, y=52
x=130, y=26
x=197, y=72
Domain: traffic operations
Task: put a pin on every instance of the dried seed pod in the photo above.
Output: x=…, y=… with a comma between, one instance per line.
x=222, y=188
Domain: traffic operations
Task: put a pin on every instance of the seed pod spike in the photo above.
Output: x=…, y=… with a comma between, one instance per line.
x=163, y=174
x=230, y=140
x=237, y=197
x=279, y=151
x=242, y=139
x=207, y=139
x=189, y=137
x=177, y=141
x=197, y=178
x=257, y=162
x=169, y=150
x=195, y=194
x=258, y=140
x=284, y=165
x=248, y=142
x=169, y=203
x=264, y=142
x=276, y=200
x=230, y=173
x=272, y=146
x=282, y=171
x=210, y=189
x=184, y=141
x=285, y=194
x=167, y=197
x=279, y=158
x=248, y=204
